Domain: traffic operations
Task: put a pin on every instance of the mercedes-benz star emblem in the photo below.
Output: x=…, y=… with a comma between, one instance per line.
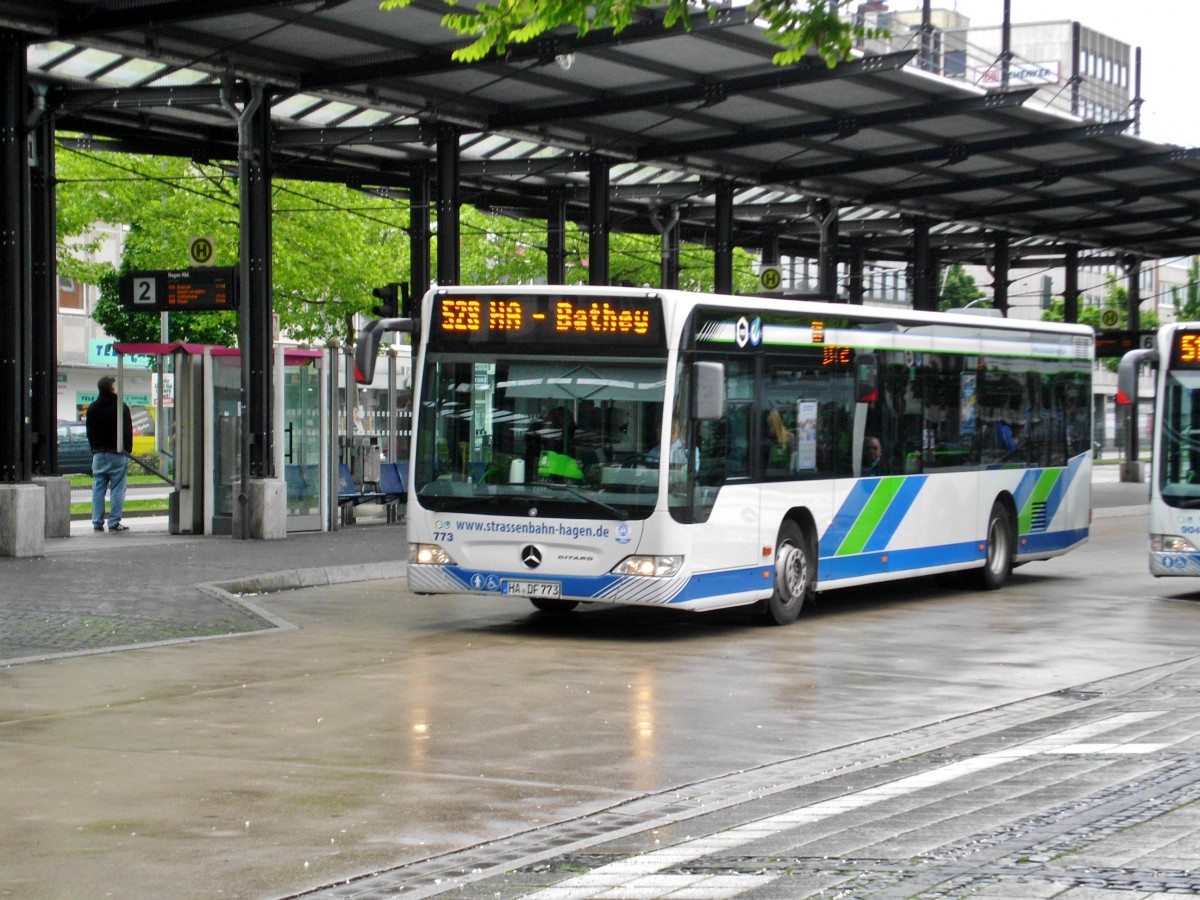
x=531, y=556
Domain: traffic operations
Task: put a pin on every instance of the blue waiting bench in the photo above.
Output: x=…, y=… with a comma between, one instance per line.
x=392, y=492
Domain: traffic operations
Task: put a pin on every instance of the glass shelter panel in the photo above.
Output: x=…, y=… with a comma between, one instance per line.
x=302, y=445
x=227, y=443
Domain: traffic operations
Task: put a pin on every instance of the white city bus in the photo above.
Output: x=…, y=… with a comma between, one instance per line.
x=1174, y=515
x=696, y=451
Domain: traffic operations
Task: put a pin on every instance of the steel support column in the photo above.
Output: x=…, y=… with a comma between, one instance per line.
x=770, y=248
x=933, y=278
x=1076, y=67
x=556, y=235
x=723, y=240
x=1133, y=322
x=1133, y=307
x=926, y=58
x=666, y=222
x=1006, y=53
x=1000, y=275
x=44, y=298
x=598, y=223
x=15, y=313
x=1071, y=285
x=858, y=262
x=255, y=312
x=921, y=292
x=418, y=231
x=826, y=214
x=449, y=236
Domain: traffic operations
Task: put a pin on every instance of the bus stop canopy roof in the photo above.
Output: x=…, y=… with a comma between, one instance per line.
x=357, y=94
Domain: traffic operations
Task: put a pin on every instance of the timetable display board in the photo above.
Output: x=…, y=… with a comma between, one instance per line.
x=542, y=322
x=184, y=290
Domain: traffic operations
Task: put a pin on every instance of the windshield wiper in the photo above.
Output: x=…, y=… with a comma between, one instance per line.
x=586, y=498
x=461, y=503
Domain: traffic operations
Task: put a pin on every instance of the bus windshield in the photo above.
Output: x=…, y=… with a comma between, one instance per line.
x=1179, y=474
x=560, y=436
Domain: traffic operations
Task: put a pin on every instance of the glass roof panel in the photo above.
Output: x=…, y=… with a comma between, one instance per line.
x=83, y=64
x=289, y=106
x=180, y=78
x=369, y=117
x=335, y=109
x=39, y=54
x=133, y=71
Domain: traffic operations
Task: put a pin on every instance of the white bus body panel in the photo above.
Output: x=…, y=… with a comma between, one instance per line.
x=870, y=530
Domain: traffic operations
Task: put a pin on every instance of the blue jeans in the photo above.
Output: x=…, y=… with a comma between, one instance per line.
x=108, y=472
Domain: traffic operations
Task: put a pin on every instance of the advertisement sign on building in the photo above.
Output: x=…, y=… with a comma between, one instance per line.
x=101, y=353
x=1019, y=75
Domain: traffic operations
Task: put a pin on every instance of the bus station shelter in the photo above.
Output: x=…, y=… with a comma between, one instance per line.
x=692, y=134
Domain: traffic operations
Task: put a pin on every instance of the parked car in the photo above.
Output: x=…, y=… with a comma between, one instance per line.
x=74, y=452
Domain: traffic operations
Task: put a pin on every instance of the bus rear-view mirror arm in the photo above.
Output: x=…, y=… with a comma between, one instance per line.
x=708, y=391
x=1127, y=374
x=367, y=349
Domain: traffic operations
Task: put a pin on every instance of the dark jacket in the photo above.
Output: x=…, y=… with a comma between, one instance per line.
x=102, y=425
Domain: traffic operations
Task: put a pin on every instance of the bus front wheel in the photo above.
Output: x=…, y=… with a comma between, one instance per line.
x=795, y=575
x=998, y=563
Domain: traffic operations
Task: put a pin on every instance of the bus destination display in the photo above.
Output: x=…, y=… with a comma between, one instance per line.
x=1186, y=352
x=547, y=319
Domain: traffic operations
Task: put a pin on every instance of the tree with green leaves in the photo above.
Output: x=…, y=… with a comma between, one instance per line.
x=959, y=289
x=794, y=26
x=331, y=245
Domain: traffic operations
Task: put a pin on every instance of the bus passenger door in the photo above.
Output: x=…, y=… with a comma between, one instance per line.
x=725, y=529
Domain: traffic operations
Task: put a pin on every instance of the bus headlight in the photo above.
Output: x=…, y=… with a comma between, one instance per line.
x=658, y=566
x=429, y=555
x=1170, y=543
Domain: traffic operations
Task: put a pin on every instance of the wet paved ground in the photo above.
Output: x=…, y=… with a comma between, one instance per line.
x=360, y=742
x=1073, y=795
x=97, y=592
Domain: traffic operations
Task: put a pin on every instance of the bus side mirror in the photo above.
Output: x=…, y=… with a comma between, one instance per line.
x=367, y=348
x=867, y=377
x=1127, y=374
x=708, y=391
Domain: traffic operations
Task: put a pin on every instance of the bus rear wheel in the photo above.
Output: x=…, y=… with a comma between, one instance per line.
x=795, y=575
x=553, y=606
x=1001, y=543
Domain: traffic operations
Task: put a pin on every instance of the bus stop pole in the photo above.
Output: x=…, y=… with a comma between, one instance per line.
x=1132, y=470
x=121, y=448
x=391, y=405
x=331, y=455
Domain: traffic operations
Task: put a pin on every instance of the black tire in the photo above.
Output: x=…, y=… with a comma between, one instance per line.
x=553, y=606
x=1001, y=547
x=795, y=575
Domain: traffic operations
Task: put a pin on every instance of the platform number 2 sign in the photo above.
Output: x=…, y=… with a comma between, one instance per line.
x=144, y=291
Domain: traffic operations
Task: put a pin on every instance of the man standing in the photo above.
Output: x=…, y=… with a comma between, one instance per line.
x=108, y=465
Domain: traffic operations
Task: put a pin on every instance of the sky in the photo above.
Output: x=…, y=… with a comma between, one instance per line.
x=1168, y=31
